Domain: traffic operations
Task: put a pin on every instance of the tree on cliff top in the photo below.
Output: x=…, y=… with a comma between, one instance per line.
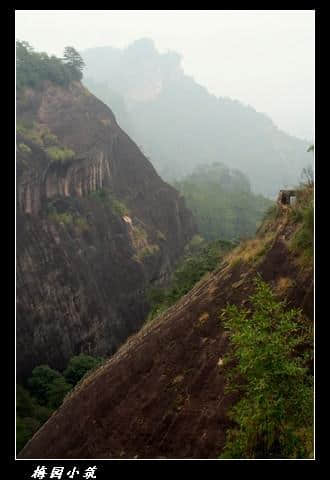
x=33, y=68
x=74, y=60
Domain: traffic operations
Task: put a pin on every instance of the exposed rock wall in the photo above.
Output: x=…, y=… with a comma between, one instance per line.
x=82, y=269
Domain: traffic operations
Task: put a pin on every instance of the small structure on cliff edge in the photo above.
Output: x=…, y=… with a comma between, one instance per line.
x=287, y=197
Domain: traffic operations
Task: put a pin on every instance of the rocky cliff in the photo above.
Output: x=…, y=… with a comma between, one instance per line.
x=181, y=125
x=96, y=226
x=162, y=394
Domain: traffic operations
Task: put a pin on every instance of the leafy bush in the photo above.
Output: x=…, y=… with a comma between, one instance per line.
x=25, y=149
x=303, y=212
x=147, y=251
x=46, y=390
x=25, y=404
x=30, y=132
x=29, y=416
x=304, y=238
x=60, y=154
x=57, y=391
x=50, y=139
x=67, y=218
x=40, y=381
x=109, y=198
x=118, y=206
x=25, y=429
x=274, y=416
x=200, y=259
x=78, y=366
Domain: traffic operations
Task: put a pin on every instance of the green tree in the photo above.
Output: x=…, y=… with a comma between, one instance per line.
x=74, y=60
x=25, y=404
x=274, y=415
x=33, y=68
x=25, y=429
x=78, y=366
x=29, y=416
x=40, y=381
x=57, y=391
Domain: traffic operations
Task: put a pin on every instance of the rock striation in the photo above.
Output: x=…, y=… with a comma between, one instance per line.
x=96, y=226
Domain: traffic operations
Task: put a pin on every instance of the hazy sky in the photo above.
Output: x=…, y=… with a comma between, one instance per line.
x=263, y=58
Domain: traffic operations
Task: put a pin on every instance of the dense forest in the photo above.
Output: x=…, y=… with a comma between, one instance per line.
x=43, y=392
x=222, y=202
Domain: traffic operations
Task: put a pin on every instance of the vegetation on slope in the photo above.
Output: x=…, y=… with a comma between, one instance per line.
x=201, y=257
x=274, y=417
x=303, y=213
x=33, y=68
x=108, y=198
x=44, y=392
x=40, y=136
x=222, y=202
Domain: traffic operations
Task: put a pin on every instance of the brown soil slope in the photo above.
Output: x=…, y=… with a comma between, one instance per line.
x=162, y=394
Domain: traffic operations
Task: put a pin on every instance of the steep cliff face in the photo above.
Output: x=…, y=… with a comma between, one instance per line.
x=162, y=394
x=96, y=225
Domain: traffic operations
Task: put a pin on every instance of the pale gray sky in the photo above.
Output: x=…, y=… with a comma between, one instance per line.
x=263, y=58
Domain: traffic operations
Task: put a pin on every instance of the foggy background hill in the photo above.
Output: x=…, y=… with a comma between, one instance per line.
x=180, y=125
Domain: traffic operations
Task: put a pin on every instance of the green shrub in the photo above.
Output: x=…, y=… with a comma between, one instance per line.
x=78, y=366
x=147, y=251
x=30, y=133
x=276, y=403
x=42, y=413
x=57, y=391
x=201, y=257
x=29, y=416
x=118, y=207
x=25, y=149
x=45, y=392
x=108, y=198
x=25, y=429
x=66, y=218
x=303, y=241
x=60, y=154
x=100, y=194
x=39, y=382
x=50, y=139
x=25, y=404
